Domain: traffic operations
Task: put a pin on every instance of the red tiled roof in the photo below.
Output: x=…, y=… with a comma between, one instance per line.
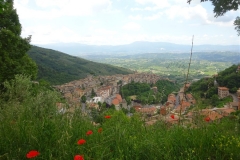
x=189, y=96
x=118, y=96
x=223, y=88
x=211, y=114
x=115, y=101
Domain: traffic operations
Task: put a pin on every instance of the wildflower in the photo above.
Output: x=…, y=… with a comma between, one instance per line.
x=107, y=117
x=89, y=132
x=81, y=141
x=172, y=116
x=32, y=154
x=99, y=130
x=207, y=119
x=78, y=157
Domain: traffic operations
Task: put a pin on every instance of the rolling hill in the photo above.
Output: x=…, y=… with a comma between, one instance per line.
x=58, y=68
x=78, y=49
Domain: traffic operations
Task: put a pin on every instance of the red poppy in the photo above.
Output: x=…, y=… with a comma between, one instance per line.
x=107, y=117
x=78, y=157
x=172, y=116
x=81, y=141
x=99, y=130
x=32, y=154
x=207, y=119
x=89, y=132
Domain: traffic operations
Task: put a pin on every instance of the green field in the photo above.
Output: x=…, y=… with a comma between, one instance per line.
x=171, y=65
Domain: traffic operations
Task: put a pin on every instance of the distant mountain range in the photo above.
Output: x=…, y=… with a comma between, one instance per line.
x=58, y=68
x=136, y=47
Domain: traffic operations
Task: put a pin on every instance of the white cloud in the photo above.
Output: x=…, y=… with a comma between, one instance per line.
x=57, y=8
x=131, y=26
x=158, y=3
x=154, y=16
x=137, y=17
x=197, y=13
x=187, y=12
x=104, y=32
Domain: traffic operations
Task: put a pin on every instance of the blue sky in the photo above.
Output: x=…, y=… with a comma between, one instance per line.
x=115, y=22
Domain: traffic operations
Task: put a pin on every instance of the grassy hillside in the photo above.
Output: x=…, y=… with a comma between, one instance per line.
x=57, y=67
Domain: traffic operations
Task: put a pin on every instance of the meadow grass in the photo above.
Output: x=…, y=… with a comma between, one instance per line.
x=29, y=121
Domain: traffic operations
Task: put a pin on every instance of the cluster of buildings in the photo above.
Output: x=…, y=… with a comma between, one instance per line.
x=106, y=88
x=187, y=100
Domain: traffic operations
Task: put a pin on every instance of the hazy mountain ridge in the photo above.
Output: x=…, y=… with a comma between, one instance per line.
x=136, y=47
x=58, y=68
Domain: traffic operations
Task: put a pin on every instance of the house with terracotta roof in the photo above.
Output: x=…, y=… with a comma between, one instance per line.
x=223, y=92
x=171, y=121
x=190, y=98
x=116, y=100
x=182, y=107
x=163, y=111
x=146, y=110
x=213, y=115
x=171, y=99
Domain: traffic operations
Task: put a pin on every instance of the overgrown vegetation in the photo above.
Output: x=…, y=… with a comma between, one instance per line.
x=31, y=122
x=146, y=95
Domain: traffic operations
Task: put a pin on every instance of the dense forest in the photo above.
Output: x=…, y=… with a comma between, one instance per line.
x=230, y=78
x=58, y=68
x=146, y=95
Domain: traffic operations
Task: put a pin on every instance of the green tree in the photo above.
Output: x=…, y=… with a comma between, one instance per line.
x=93, y=94
x=83, y=99
x=223, y=6
x=13, y=57
x=237, y=25
x=214, y=100
x=3, y=5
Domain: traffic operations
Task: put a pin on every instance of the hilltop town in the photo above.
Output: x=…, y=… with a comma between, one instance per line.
x=106, y=89
x=102, y=86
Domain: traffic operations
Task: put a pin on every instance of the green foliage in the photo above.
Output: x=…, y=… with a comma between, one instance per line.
x=135, y=88
x=166, y=87
x=83, y=99
x=59, y=68
x=146, y=95
x=13, y=57
x=3, y=5
x=237, y=25
x=229, y=78
x=93, y=94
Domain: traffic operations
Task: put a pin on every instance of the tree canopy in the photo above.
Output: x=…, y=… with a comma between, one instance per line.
x=13, y=57
x=223, y=6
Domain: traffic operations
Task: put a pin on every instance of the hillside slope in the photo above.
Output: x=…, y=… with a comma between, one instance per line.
x=58, y=68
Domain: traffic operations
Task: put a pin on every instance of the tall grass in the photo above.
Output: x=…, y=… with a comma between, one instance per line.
x=29, y=121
